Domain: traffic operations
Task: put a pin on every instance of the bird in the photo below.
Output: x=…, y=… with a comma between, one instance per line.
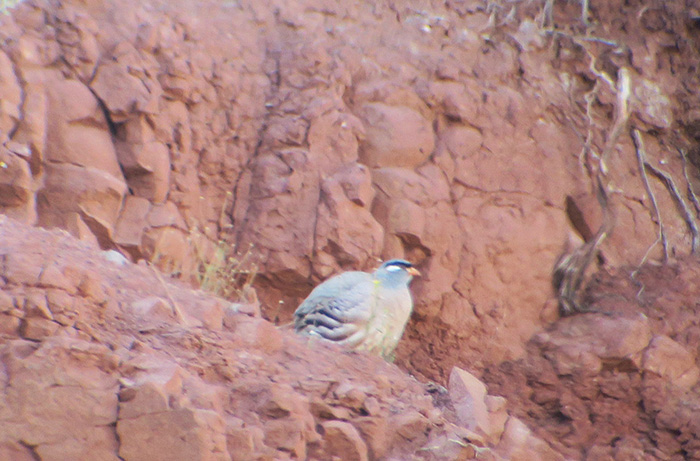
x=359, y=310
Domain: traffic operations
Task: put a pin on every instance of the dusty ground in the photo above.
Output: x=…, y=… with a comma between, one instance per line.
x=108, y=361
x=313, y=137
x=620, y=383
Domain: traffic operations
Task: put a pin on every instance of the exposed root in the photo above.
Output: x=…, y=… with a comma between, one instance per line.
x=642, y=164
x=569, y=272
x=584, y=157
x=667, y=180
x=584, y=12
x=691, y=192
x=680, y=203
x=622, y=115
x=547, y=16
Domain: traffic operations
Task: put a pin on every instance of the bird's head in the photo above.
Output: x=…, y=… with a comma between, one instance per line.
x=396, y=272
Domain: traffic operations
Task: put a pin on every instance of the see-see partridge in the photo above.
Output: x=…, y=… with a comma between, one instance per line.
x=359, y=310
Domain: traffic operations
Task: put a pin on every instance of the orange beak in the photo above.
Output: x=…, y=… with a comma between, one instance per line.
x=413, y=271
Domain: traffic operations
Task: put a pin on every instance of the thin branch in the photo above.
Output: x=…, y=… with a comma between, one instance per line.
x=174, y=305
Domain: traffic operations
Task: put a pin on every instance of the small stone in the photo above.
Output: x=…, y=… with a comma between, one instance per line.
x=467, y=394
x=375, y=431
x=38, y=328
x=498, y=415
x=652, y=104
x=81, y=199
x=122, y=92
x=7, y=302
x=60, y=302
x=349, y=395
x=16, y=452
x=149, y=397
x=210, y=312
x=176, y=435
x=672, y=361
x=153, y=310
x=371, y=406
x=52, y=277
x=259, y=334
x=519, y=443
x=91, y=287
x=35, y=305
x=131, y=223
x=15, y=183
x=115, y=257
x=342, y=440
x=287, y=435
x=434, y=415
x=410, y=425
x=75, y=275
x=9, y=325
x=22, y=268
x=158, y=384
x=323, y=410
x=383, y=383
x=241, y=443
x=233, y=309
x=281, y=403
x=584, y=342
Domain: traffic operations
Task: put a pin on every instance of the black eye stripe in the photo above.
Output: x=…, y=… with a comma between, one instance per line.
x=402, y=264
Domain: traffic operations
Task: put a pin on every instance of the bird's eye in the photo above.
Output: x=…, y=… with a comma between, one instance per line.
x=394, y=268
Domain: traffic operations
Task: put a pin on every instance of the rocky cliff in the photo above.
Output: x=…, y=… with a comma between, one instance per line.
x=487, y=142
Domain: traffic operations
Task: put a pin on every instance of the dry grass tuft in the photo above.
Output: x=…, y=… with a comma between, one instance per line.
x=5, y=5
x=222, y=270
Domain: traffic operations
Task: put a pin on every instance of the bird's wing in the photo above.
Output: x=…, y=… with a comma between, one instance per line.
x=338, y=308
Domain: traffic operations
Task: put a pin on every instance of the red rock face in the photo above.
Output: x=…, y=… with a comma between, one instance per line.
x=323, y=137
x=619, y=382
x=108, y=359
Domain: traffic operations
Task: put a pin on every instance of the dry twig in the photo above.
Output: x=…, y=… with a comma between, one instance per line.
x=176, y=308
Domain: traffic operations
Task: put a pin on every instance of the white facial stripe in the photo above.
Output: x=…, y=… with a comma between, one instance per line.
x=394, y=268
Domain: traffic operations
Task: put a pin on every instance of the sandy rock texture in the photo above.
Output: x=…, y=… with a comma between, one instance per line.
x=620, y=383
x=322, y=137
x=101, y=360
x=316, y=136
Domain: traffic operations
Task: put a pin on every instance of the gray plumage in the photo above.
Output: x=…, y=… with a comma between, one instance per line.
x=359, y=310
